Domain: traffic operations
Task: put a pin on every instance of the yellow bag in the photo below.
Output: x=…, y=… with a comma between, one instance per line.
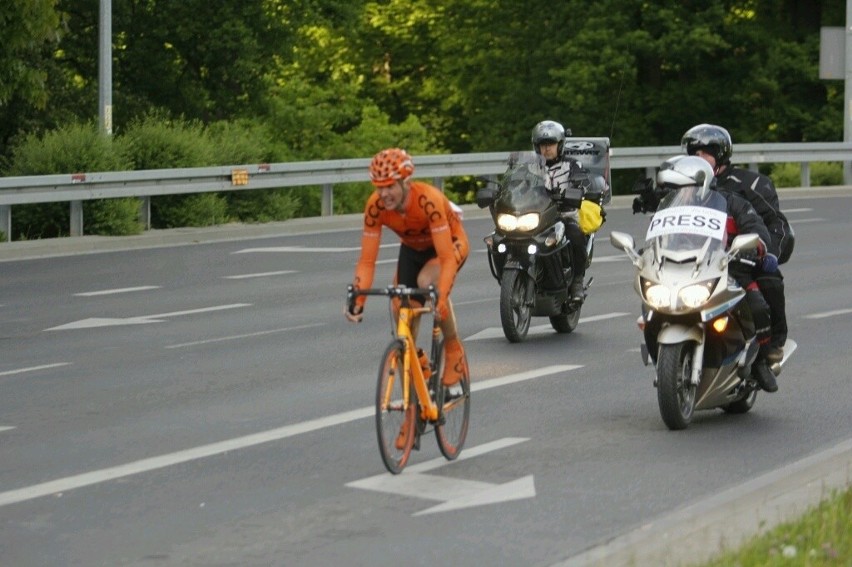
x=591, y=216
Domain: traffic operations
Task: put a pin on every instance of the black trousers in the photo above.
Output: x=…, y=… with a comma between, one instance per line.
x=578, y=246
x=772, y=287
x=760, y=311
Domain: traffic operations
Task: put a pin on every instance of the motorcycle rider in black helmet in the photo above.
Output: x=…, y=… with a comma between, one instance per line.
x=713, y=143
x=548, y=139
x=742, y=219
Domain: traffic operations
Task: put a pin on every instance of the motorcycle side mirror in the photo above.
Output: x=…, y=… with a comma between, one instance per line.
x=744, y=243
x=624, y=242
x=485, y=196
x=621, y=240
x=741, y=243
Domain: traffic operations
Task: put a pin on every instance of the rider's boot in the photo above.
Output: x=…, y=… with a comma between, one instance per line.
x=765, y=377
x=578, y=294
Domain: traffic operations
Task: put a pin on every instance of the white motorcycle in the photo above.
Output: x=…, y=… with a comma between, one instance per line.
x=697, y=325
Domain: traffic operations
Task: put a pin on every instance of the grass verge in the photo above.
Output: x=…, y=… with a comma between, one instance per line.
x=821, y=538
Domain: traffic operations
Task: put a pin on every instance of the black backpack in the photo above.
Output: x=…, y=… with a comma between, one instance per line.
x=788, y=242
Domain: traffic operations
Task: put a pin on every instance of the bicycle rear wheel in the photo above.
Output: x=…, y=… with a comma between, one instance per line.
x=394, y=421
x=454, y=401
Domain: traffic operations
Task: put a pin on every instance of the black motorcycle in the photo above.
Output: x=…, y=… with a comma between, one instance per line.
x=529, y=253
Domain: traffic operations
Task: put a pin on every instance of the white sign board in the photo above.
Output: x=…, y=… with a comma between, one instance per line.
x=699, y=221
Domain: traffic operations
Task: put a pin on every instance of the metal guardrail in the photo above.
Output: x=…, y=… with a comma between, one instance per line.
x=78, y=187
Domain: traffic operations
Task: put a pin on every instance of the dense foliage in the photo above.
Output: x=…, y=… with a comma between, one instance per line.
x=326, y=79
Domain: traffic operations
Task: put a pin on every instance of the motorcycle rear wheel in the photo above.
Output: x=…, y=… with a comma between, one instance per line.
x=564, y=323
x=675, y=392
x=515, y=311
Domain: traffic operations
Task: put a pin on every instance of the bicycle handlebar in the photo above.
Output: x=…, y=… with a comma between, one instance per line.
x=392, y=291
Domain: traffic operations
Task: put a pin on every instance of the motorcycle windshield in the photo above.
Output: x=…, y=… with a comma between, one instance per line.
x=522, y=186
x=689, y=224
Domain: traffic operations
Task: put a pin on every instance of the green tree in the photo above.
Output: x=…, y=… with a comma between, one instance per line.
x=29, y=31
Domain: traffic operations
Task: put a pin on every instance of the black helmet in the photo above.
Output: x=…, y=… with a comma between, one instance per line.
x=713, y=139
x=548, y=131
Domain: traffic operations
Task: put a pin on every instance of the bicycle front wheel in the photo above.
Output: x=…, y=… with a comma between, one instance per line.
x=395, y=421
x=454, y=401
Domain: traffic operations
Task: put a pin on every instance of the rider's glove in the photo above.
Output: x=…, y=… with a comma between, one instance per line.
x=769, y=263
x=638, y=205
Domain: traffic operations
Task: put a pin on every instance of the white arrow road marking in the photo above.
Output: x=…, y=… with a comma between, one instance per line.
x=454, y=493
x=105, y=322
x=119, y=290
x=162, y=461
x=494, y=332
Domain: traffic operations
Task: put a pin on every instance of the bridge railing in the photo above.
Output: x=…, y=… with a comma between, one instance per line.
x=78, y=187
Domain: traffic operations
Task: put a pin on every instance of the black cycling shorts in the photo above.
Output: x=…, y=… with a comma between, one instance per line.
x=410, y=263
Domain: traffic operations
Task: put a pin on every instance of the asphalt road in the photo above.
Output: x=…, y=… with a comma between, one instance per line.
x=195, y=397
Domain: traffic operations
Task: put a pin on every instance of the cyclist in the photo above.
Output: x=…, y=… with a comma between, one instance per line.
x=434, y=245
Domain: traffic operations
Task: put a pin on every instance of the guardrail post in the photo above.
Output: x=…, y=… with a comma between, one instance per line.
x=439, y=183
x=145, y=212
x=76, y=228
x=327, y=200
x=805, y=178
x=6, y=222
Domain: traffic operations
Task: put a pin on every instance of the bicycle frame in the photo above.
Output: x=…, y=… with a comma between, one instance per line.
x=413, y=371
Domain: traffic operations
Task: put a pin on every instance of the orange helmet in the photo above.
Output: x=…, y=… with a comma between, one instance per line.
x=389, y=165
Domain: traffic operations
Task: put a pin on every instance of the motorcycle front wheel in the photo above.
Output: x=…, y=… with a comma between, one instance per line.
x=515, y=312
x=675, y=391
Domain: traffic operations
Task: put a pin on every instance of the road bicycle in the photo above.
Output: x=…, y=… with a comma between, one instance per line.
x=409, y=395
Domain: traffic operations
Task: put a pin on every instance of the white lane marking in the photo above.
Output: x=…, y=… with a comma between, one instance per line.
x=495, y=332
x=604, y=259
x=800, y=210
x=34, y=368
x=800, y=221
x=245, y=336
x=305, y=249
x=260, y=275
x=825, y=314
x=119, y=290
x=140, y=320
x=154, y=463
x=6, y=427
x=453, y=493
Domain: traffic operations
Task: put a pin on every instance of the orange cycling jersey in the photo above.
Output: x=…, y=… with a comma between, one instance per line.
x=427, y=222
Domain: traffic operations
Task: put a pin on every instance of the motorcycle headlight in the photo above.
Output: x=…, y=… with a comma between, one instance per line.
x=695, y=295
x=524, y=223
x=658, y=296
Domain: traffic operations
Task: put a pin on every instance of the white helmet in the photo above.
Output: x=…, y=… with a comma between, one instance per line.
x=686, y=171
